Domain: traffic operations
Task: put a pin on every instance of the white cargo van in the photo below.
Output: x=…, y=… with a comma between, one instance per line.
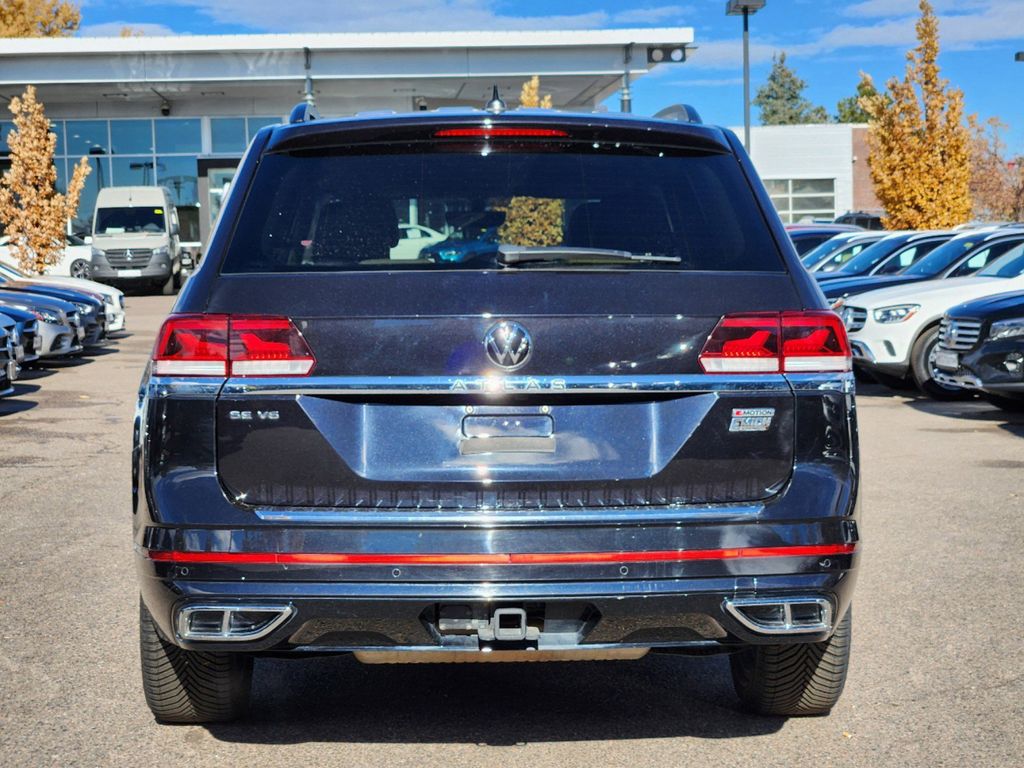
x=135, y=239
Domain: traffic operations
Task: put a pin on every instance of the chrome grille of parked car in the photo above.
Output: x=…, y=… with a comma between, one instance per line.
x=854, y=318
x=959, y=333
x=138, y=258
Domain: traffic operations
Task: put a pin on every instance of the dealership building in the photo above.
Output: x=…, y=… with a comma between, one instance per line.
x=178, y=111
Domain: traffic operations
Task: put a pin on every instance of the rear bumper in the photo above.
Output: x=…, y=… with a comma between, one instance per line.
x=399, y=616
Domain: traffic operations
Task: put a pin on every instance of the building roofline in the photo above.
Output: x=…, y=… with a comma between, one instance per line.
x=349, y=41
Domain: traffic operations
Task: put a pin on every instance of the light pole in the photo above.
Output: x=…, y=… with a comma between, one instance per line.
x=745, y=8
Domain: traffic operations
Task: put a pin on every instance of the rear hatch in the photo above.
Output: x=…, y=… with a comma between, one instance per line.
x=544, y=356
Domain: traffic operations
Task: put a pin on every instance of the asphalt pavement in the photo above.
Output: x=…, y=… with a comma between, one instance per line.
x=936, y=677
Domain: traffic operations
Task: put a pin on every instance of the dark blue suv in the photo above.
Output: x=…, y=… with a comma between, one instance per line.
x=626, y=425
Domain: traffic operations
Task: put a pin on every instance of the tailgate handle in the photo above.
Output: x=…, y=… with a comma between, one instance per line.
x=512, y=433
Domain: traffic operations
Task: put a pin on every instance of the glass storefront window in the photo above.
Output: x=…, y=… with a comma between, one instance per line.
x=62, y=174
x=131, y=137
x=179, y=135
x=5, y=127
x=94, y=182
x=255, y=123
x=134, y=171
x=179, y=175
x=86, y=137
x=228, y=134
x=57, y=127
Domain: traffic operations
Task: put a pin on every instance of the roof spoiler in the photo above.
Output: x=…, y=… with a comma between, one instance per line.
x=303, y=112
x=682, y=113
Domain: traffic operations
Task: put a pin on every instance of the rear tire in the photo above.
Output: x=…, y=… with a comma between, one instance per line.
x=1012, y=403
x=191, y=686
x=921, y=369
x=793, y=680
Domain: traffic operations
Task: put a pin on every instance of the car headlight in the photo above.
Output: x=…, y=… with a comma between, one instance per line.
x=49, y=316
x=98, y=252
x=162, y=251
x=896, y=313
x=1007, y=329
x=83, y=308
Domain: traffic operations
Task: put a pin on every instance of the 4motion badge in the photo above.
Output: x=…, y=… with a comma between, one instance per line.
x=751, y=419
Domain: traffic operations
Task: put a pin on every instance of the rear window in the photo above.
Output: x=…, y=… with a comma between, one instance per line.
x=518, y=207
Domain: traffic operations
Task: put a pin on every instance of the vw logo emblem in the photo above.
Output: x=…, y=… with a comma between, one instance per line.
x=508, y=345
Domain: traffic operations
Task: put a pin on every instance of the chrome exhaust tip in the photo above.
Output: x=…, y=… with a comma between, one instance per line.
x=230, y=623
x=782, y=615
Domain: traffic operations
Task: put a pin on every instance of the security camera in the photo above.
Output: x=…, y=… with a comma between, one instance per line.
x=165, y=108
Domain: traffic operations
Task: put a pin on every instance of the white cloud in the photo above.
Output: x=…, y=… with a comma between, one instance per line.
x=658, y=14
x=892, y=8
x=996, y=22
x=113, y=29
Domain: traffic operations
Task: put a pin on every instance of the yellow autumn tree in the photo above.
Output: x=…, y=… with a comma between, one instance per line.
x=919, y=145
x=32, y=211
x=38, y=18
x=997, y=178
x=532, y=221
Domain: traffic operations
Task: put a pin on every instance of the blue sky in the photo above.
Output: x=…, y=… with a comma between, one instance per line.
x=826, y=41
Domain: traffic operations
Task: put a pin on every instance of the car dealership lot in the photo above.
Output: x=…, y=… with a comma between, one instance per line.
x=935, y=678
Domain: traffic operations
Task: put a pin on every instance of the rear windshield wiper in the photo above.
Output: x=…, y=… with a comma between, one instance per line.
x=520, y=254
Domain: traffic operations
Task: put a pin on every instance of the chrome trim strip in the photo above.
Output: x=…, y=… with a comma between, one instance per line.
x=199, y=387
x=475, y=518
x=833, y=382
x=953, y=380
x=735, y=606
x=283, y=611
x=497, y=385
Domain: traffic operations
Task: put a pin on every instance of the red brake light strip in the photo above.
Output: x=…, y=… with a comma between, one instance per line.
x=513, y=558
x=495, y=132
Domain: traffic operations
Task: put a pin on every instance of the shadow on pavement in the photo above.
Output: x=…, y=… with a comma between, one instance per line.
x=339, y=699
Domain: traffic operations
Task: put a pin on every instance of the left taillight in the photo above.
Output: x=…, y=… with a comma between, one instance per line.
x=785, y=342
x=222, y=345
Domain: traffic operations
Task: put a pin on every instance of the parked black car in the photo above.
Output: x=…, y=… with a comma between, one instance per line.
x=9, y=352
x=981, y=347
x=637, y=436
x=861, y=219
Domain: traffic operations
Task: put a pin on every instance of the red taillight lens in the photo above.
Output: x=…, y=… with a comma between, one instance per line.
x=790, y=342
x=743, y=344
x=220, y=345
x=494, y=132
x=192, y=345
x=814, y=341
x=268, y=346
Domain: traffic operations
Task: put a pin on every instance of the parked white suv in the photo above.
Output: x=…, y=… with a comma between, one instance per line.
x=894, y=331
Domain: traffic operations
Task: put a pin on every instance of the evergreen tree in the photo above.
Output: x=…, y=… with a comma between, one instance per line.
x=781, y=99
x=849, y=110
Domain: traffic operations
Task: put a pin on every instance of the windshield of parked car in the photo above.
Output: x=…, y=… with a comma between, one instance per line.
x=840, y=258
x=129, y=220
x=943, y=257
x=341, y=210
x=818, y=253
x=1010, y=264
x=873, y=255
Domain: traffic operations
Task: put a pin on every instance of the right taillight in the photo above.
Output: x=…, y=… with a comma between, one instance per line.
x=221, y=345
x=787, y=342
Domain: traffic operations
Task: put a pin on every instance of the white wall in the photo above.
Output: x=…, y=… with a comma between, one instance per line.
x=805, y=152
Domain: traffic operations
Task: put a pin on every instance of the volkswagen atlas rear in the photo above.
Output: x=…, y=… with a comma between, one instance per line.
x=620, y=420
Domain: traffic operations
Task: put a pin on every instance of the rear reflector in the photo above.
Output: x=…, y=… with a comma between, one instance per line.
x=488, y=132
x=787, y=342
x=221, y=345
x=495, y=558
